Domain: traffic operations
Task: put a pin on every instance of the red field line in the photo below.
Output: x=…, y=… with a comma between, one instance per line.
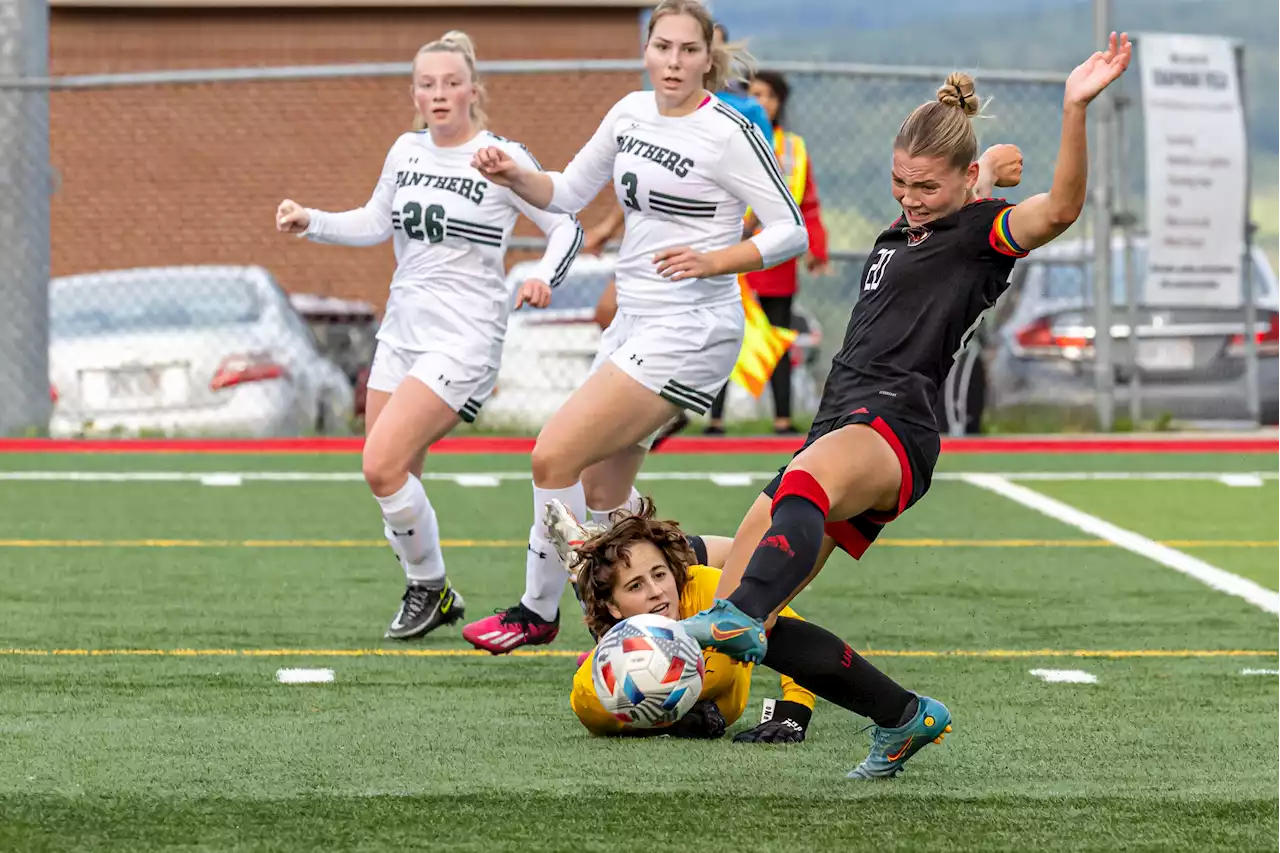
x=678, y=444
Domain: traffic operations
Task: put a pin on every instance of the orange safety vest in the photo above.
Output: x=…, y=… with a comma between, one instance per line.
x=793, y=157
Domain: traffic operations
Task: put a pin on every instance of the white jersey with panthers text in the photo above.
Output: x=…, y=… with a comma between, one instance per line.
x=450, y=229
x=682, y=181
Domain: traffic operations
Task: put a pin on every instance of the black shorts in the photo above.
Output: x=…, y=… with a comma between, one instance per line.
x=917, y=449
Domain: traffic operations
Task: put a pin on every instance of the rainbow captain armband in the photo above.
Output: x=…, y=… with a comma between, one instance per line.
x=1001, y=237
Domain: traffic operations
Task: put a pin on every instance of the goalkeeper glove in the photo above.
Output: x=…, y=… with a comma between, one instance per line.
x=704, y=722
x=782, y=722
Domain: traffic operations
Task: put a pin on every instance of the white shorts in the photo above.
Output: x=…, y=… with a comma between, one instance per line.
x=686, y=358
x=463, y=386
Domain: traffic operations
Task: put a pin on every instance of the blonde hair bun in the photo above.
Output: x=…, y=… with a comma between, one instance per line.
x=460, y=41
x=958, y=91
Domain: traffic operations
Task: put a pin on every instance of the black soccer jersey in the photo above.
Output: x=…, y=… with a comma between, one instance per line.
x=924, y=290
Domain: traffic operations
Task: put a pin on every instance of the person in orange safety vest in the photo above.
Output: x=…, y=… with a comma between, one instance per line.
x=776, y=288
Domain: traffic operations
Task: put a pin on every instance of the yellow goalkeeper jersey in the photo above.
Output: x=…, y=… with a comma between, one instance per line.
x=727, y=682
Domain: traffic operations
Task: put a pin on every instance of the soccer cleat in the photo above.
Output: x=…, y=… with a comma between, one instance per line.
x=567, y=533
x=422, y=610
x=582, y=658
x=890, y=748
x=729, y=631
x=508, y=630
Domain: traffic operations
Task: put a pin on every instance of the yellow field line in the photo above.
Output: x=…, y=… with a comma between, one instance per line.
x=992, y=654
x=520, y=543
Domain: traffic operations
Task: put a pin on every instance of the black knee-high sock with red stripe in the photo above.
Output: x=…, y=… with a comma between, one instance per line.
x=820, y=661
x=787, y=553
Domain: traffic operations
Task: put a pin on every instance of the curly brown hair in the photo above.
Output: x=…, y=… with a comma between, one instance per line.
x=601, y=556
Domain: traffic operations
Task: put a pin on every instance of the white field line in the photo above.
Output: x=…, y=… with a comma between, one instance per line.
x=1241, y=480
x=491, y=478
x=304, y=676
x=1212, y=576
x=222, y=480
x=1065, y=676
x=477, y=480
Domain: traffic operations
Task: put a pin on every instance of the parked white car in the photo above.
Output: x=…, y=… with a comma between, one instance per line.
x=548, y=352
x=193, y=350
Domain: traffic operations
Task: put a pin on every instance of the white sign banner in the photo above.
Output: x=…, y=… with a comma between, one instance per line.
x=1195, y=171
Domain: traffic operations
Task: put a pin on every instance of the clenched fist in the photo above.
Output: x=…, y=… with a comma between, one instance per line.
x=291, y=217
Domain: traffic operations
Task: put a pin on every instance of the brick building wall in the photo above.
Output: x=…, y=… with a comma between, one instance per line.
x=191, y=174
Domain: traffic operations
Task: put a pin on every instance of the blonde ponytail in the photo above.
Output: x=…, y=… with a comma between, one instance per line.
x=729, y=61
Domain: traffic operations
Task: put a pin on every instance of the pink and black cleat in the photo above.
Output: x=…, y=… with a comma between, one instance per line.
x=508, y=630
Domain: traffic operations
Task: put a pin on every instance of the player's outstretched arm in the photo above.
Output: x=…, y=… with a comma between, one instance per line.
x=498, y=167
x=364, y=226
x=1043, y=217
x=561, y=192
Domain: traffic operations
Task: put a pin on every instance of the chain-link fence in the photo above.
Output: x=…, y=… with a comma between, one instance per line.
x=175, y=306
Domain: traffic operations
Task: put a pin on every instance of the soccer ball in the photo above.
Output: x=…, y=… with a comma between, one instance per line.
x=647, y=671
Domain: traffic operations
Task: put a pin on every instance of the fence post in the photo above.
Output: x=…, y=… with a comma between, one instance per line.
x=1126, y=220
x=1251, y=378
x=24, y=219
x=1103, y=108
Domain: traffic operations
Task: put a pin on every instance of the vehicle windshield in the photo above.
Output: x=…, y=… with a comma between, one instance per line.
x=1072, y=281
x=84, y=307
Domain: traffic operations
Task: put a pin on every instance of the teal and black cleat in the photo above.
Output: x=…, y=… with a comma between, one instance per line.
x=890, y=748
x=728, y=630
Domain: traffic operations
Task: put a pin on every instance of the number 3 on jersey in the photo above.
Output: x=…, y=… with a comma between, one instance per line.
x=631, y=184
x=876, y=272
x=414, y=219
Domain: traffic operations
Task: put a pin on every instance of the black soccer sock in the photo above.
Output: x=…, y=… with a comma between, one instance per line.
x=820, y=661
x=787, y=553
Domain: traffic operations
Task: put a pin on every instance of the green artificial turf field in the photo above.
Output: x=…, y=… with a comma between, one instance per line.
x=143, y=618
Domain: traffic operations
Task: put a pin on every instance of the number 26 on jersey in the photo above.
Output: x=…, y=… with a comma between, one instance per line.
x=876, y=272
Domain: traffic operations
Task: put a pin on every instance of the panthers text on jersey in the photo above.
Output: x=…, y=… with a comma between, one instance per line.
x=450, y=229
x=682, y=181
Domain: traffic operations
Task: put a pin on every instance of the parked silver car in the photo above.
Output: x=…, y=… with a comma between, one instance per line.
x=196, y=350
x=1189, y=361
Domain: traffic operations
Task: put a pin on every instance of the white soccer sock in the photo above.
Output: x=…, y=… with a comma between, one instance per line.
x=414, y=534
x=544, y=574
x=632, y=505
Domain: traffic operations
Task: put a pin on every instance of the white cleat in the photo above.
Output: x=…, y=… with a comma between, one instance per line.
x=567, y=533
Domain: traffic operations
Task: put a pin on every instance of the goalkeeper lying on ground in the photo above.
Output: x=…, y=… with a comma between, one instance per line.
x=642, y=565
